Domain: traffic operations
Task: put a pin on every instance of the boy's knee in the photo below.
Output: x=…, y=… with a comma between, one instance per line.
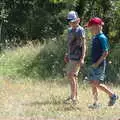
x=71, y=75
x=95, y=83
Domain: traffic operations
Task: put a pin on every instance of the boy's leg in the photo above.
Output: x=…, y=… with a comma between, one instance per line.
x=75, y=71
x=73, y=84
x=76, y=93
x=96, y=84
x=94, y=92
x=72, y=72
x=91, y=76
x=96, y=75
x=103, y=87
x=95, y=95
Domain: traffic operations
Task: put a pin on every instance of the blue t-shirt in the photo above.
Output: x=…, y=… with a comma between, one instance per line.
x=100, y=44
x=75, y=42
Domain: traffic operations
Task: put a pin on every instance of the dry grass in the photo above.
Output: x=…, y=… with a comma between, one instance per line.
x=44, y=101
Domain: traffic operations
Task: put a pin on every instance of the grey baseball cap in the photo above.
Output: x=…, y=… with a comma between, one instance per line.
x=72, y=16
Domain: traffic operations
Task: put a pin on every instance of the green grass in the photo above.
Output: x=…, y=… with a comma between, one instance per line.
x=41, y=61
x=43, y=100
x=14, y=62
x=46, y=61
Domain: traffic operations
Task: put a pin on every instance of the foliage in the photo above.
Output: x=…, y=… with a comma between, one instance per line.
x=41, y=61
x=113, y=70
x=46, y=61
x=24, y=20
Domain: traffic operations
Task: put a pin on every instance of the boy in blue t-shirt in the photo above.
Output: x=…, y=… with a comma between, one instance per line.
x=99, y=52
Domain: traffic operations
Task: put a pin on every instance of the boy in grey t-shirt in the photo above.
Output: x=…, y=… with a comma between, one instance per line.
x=76, y=52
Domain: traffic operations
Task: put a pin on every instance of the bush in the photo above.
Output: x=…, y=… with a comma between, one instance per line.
x=113, y=70
x=40, y=61
x=46, y=61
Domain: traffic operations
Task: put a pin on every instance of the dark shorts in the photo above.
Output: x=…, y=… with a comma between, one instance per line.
x=97, y=73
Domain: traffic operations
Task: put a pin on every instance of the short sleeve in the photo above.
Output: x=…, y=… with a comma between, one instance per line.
x=104, y=43
x=81, y=33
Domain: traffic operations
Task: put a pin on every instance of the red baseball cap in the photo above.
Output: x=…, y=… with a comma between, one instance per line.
x=94, y=21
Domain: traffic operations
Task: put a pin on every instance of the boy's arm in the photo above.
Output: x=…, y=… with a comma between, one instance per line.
x=104, y=55
x=105, y=47
x=66, y=58
x=83, y=50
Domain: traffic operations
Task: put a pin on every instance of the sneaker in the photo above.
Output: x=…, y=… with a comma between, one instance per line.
x=113, y=100
x=75, y=101
x=66, y=101
x=94, y=106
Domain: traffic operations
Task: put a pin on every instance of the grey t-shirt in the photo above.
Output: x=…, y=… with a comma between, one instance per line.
x=75, y=43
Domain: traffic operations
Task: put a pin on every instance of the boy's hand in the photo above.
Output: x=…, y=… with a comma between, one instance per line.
x=66, y=59
x=100, y=60
x=95, y=65
x=81, y=62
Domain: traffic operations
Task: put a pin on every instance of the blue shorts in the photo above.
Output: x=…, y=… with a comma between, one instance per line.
x=97, y=73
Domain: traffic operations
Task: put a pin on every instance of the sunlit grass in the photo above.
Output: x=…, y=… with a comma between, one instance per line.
x=40, y=61
x=14, y=62
x=45, y=99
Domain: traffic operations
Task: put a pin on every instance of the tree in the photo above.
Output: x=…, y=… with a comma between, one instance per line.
x=43, y=19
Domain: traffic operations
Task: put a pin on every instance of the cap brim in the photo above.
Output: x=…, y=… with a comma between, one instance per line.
x=89, y=25
x=69, y=20
x=73, y=20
